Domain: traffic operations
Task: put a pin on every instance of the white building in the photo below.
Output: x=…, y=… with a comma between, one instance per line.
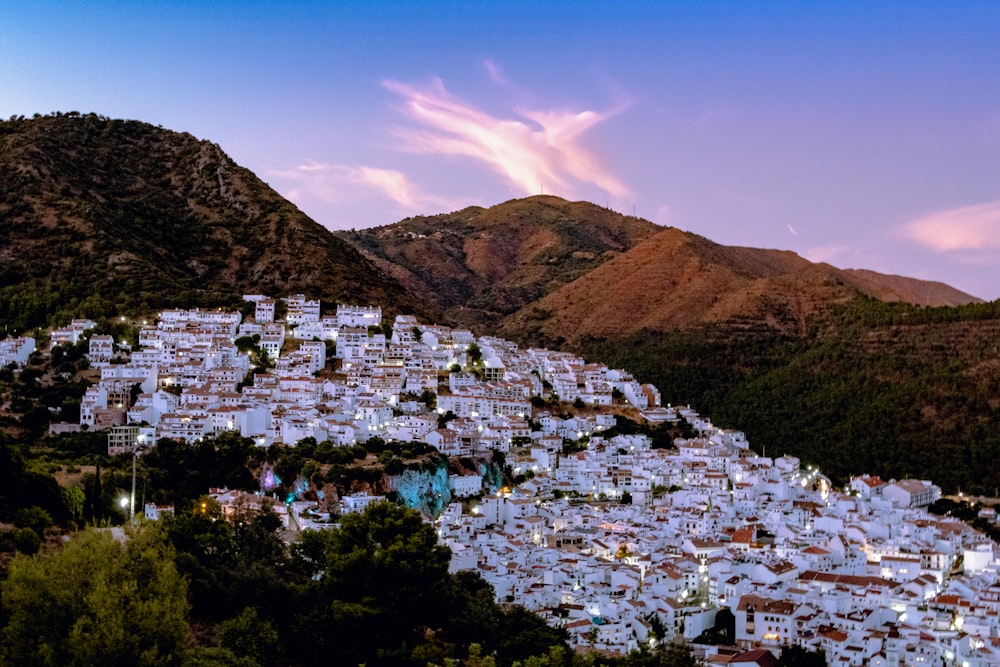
x=16, y=350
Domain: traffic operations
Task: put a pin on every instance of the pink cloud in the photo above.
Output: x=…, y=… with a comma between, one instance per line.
x=543, y=155
x=827, y=254
x=967, y=228
x=394, y=184
x=328, y=183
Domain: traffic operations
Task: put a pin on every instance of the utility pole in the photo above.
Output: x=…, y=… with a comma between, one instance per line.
x=135, y=455
x=140, y=441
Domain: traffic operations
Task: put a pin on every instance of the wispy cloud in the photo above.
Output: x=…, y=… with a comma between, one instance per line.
x=496, y=73
x=967, y=228
x=827, y=254
x=335, y=183
x=544, y=154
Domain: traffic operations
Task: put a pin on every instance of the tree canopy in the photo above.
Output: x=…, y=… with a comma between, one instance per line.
x=96, y=601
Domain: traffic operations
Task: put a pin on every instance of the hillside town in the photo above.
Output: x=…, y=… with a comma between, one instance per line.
x=621, y=543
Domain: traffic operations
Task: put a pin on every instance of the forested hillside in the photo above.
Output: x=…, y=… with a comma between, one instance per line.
x=889, y=389
x=101, y=217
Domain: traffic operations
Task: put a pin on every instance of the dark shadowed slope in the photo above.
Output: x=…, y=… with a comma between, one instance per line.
x=99, y=216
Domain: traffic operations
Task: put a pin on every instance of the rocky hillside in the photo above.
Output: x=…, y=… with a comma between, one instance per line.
x=101, y=216
x=545, y=270
x=478, y=265
x=678, y=280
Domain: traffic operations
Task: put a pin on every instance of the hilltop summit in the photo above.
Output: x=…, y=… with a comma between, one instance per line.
x=542, y=269
x=100, y=216
x=479, y=265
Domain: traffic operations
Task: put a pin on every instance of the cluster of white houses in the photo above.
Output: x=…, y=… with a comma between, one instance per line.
x=186, y=381
x=863, y=573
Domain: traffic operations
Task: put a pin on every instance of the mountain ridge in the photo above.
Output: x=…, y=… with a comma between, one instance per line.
x=480, y=264
x=99, y=216
x=686, y=280
x=539, y=281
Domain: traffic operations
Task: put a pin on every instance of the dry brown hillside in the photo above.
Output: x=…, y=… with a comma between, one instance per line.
x=678, y=280
x=908, y=290
x=477, y=265
x=544, y=270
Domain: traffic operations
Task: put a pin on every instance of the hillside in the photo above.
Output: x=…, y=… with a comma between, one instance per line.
x=102, y=216
x=889, y=389
x=678, y=280
x=545, y=270
x=850, y=369
x=478, y=265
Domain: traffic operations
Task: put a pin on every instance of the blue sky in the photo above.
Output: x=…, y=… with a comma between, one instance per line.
x=864, y=134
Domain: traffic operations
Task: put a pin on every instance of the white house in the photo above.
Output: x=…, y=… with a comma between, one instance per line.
x=463, y=486
x=447, y=442
x=16, y=350
x=911, y=493
x=301, y=309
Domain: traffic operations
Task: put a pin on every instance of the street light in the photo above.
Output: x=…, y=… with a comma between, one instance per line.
x=131, y=500
x=131, y=509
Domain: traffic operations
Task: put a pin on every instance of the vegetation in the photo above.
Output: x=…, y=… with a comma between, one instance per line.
x=102, y=217
x=96, y=602
x=376, y=591
x=888, y=389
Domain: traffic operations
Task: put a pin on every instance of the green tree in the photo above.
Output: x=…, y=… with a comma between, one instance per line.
x=428, y=398
x=34, y=518
x=215, y=656
x=383, y=576
x=445, y=418
x=264, y=362
x=250, y=637
x=26, y=540
x=246, y=344
x=475, y=355
x=96, y=602
x=231, y=565
x=522, y=634
x=473, y=615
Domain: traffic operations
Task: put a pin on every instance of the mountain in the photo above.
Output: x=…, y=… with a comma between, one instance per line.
x=546, y=270
x=678, y=280
x=849, y=369
x=478, y=265
x=101, y=216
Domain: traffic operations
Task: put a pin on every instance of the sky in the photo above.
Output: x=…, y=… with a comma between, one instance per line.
x=862, y=134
